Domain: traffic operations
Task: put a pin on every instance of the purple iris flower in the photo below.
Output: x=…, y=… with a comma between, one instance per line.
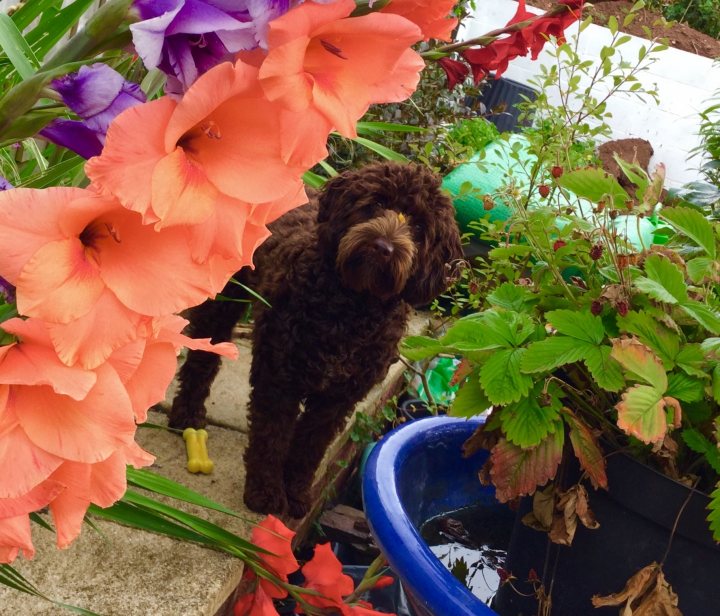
x=185, y=38
x=96, y=93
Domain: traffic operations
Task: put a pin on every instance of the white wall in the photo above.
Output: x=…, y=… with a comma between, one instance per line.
x=684, y=81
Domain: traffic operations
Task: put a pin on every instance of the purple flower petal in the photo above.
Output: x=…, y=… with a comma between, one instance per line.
x=73, y=135
x=176, y=33
x=4, y=184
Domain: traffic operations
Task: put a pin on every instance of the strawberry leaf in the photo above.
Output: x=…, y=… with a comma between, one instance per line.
x=516, y=472
x=640, y=362
x=664, y=343
x=699, y=443
x=580, y=325
x=501, y=378
x=641, y=413
x=587, y=450
x=604, y=369
x=714, y=516
x=663, y=282
x=470, y=399
x=694, y=225
x=526, y=423
x=553, y=352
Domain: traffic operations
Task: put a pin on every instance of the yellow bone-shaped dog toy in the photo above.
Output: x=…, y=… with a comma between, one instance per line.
x=197, y=454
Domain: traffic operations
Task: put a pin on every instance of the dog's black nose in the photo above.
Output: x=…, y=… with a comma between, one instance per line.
x=383, y=247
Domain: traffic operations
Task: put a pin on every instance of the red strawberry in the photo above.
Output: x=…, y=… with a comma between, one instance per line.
x=556, y=171
x=544, y=190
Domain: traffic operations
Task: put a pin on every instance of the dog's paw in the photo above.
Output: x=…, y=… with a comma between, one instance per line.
x=298, y=504
x=181, y=417
x=264, y=501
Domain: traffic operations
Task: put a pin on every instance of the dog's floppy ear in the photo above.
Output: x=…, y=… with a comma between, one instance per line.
x=437, y=262
x=337, y=194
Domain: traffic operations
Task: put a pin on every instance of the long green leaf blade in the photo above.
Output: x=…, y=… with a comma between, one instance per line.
x=16, y=48
x=382, y=150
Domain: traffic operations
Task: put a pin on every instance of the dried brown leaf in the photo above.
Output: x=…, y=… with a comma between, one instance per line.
x=541, y=516
x=647, y=593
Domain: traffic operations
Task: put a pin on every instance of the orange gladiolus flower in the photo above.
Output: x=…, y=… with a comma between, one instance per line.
x=102, y=484
x=93, y=271
x=147, y=365
x=206, y=159
x=319, y=58
x=15, y=537
x=430, y=15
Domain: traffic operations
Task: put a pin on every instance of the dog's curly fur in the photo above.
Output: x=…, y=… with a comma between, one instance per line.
x=341, y=274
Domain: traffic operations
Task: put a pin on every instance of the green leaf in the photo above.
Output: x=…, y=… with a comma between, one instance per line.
x=526, y=423
x=634, y=172
x=373, y=128
x=691, y=359
x=699, y=443
x=501, y=378
x=694, y=225
x=380, y=149
x=664, y=343
x=641, y=363
x=716, y=383
x=142, y=478
x=700, y=268
x=604, y=369
x=641, y=413
x=313, y=179
x=580, y=325
x=553, y=352
x=512, y=297
x=506, y=329
x=470, y=399
x=664, y=281
x=595, y=185
x=14, y=579
x=55, y=174
x=706, y=316
x=416, y=348
x=684, y=387
x=216, y=533
x=15, y=46
x=505, y=252
x=714, y=515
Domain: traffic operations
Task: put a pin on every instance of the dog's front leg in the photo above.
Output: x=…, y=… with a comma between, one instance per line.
x=271, y=418
x=323, y=418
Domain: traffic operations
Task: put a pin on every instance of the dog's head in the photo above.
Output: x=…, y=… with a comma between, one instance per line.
x=391, y=230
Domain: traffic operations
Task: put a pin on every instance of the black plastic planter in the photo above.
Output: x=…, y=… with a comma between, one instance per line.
x=636, y=517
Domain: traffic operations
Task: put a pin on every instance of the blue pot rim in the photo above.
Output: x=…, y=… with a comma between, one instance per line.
x=422, y=573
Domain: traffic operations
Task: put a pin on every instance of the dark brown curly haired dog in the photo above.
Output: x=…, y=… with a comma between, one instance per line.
x=341, y=274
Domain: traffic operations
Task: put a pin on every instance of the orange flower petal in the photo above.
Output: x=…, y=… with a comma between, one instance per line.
x=34, y=362
x=24, y=465
x=431, y=16
x=29, y=219
x=15, y=536
x=152, y=272
x=181, y=192
x=89, y=430
x=149, y=382
x=35, y=499
x=272, y=535
x=90, y=340
x=348, y=63
x=58, y=283
x=125, y=167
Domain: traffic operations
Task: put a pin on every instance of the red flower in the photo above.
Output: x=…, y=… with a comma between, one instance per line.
x=323, y=573
x=456, y=71
x=497, y=55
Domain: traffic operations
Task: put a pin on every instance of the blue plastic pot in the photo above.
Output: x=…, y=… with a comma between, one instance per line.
x=417, y=472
